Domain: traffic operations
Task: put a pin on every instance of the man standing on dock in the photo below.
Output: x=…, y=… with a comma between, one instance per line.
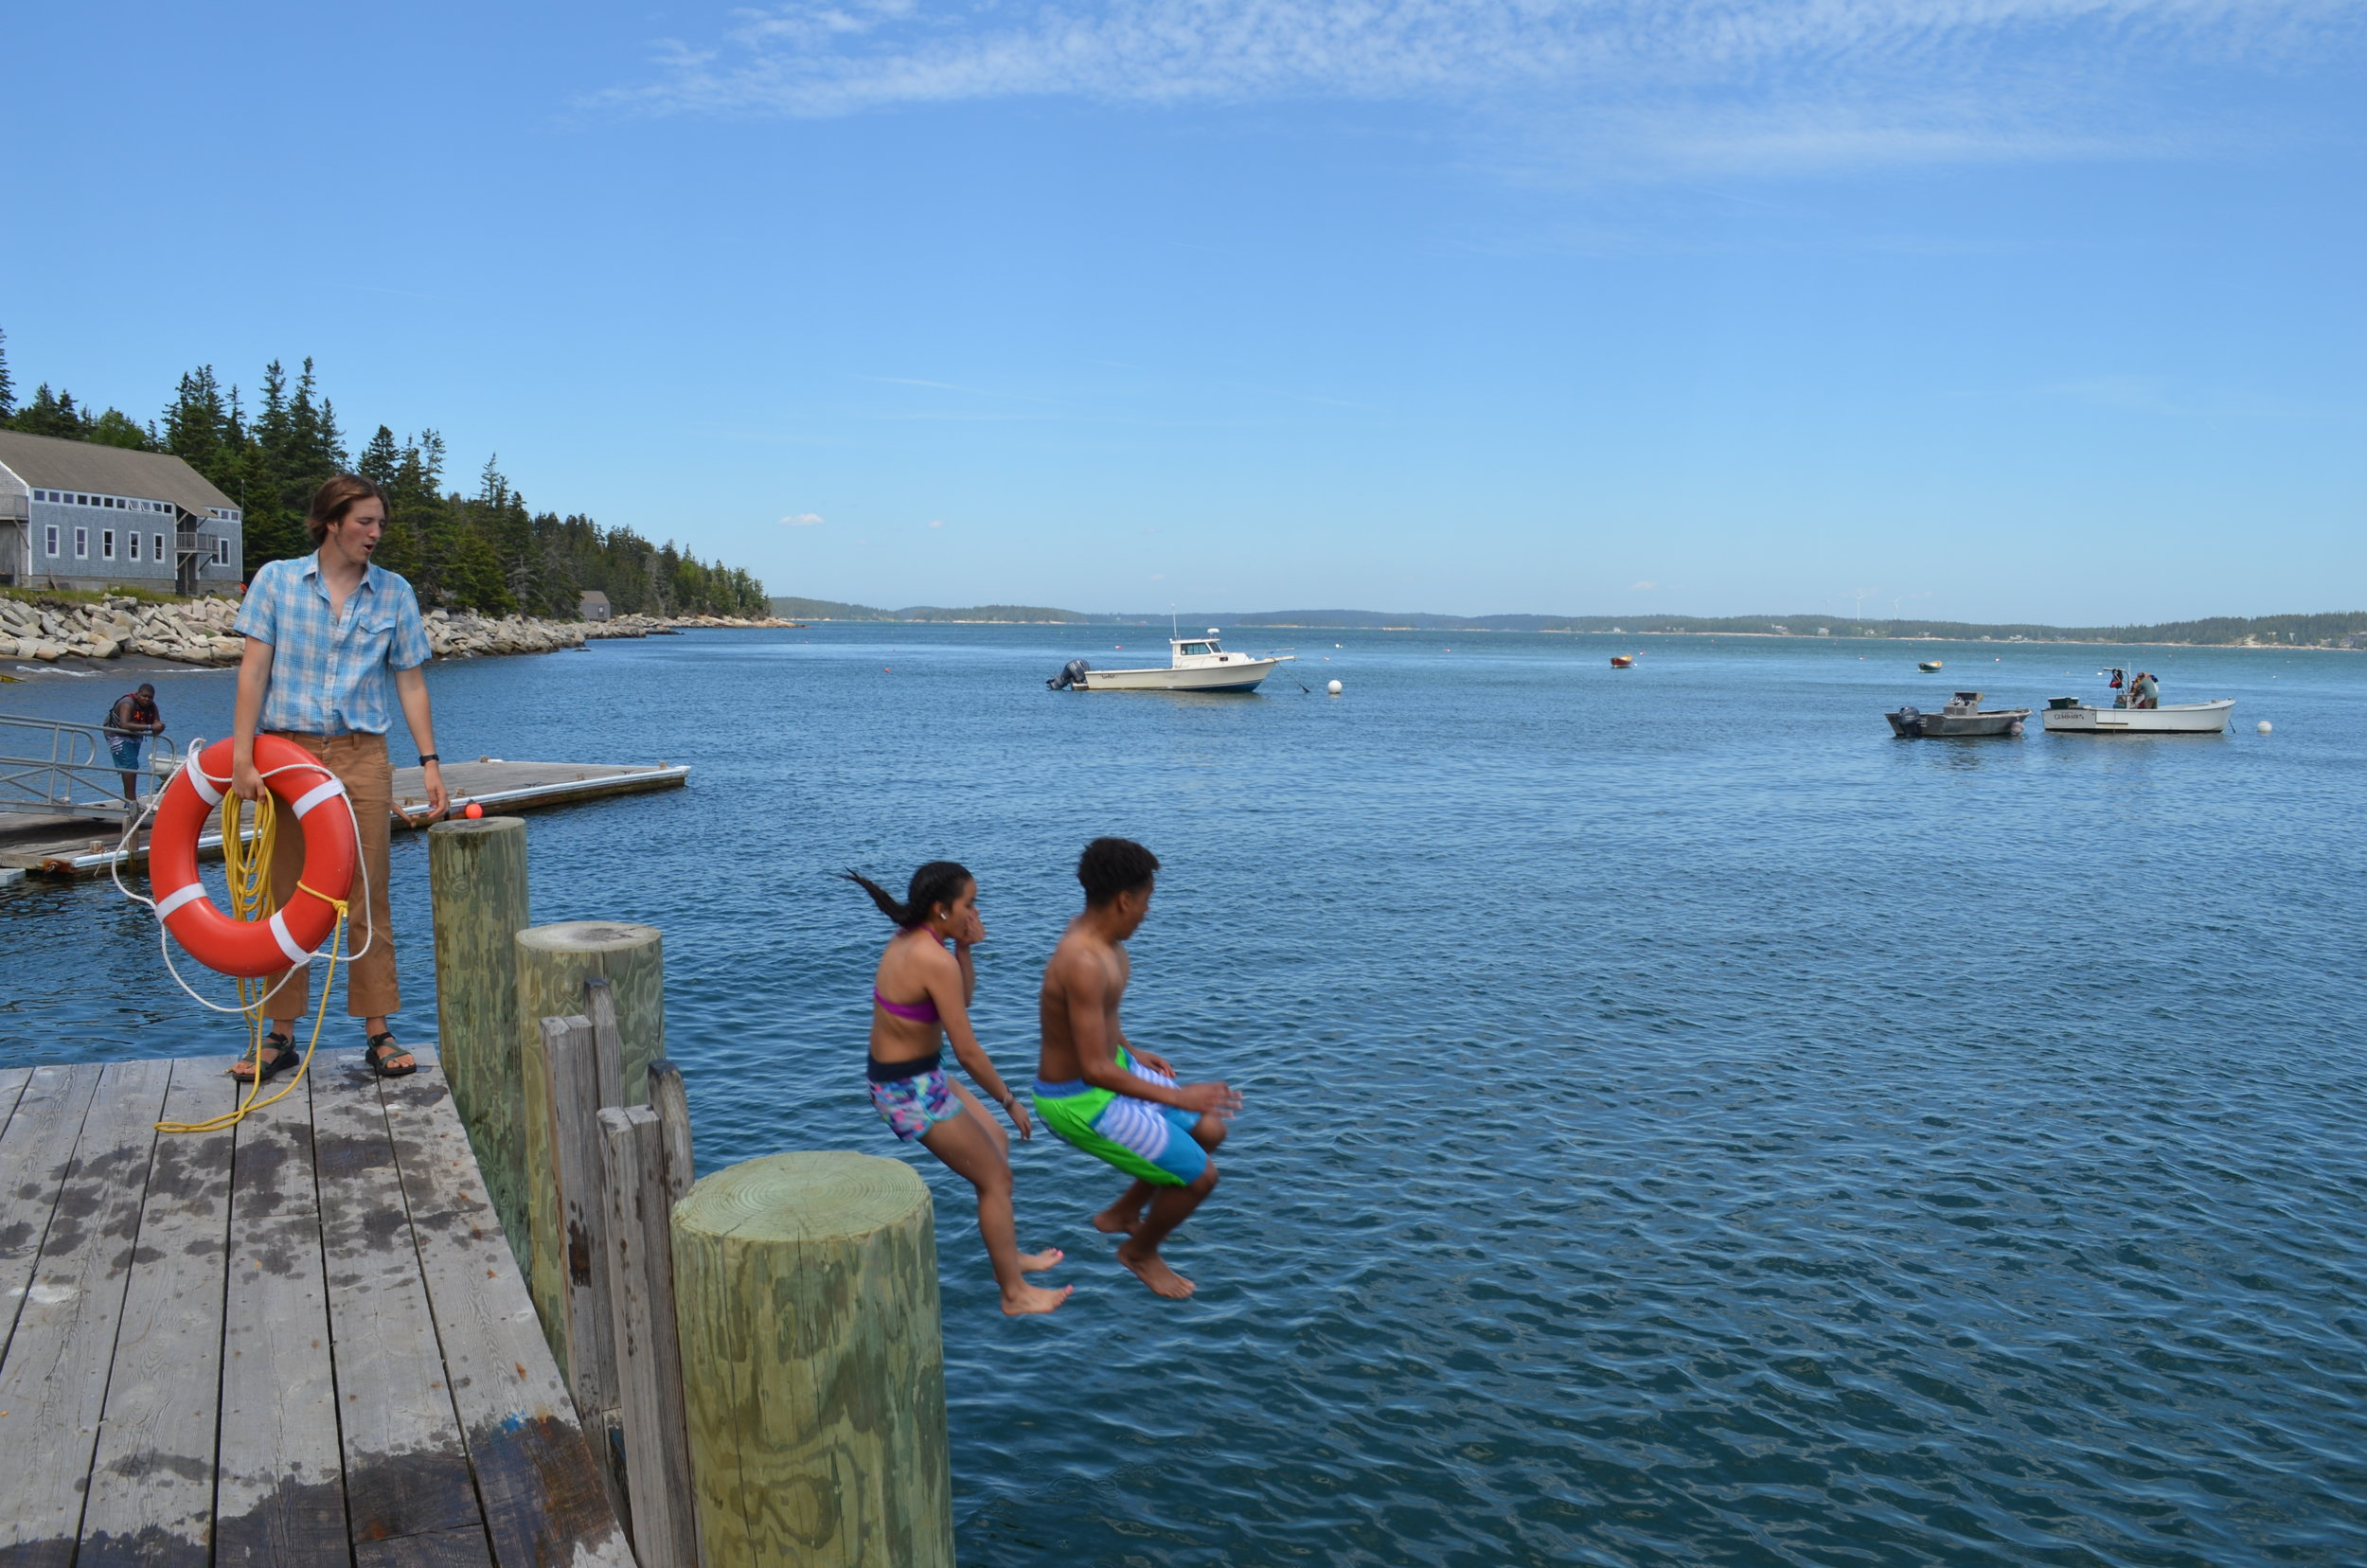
x=129, y=723
x=1110, y=1098
x=330, y=639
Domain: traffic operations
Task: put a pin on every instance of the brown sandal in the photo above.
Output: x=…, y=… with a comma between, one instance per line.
x=386, y=1042
x=285, y=1057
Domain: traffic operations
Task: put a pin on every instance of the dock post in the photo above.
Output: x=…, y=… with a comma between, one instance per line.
x=579, y=1090
x=641, y=1198
x=477, y=882
x=806, y=1298
x=554, y=961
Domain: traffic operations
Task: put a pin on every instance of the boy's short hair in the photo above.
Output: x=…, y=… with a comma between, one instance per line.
x=1110, y=866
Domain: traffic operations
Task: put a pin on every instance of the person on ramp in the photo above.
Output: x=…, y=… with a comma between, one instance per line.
x=1108, y=1095
x=920, y=997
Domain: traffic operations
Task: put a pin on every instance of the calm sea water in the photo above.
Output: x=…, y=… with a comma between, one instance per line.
x=1684, y=1123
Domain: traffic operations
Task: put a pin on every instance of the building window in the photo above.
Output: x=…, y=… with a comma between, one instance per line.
x=131, y=543
x=222, y=552
x=82, y=543
x=158, y=542
x=106, y=544
x=50, y=541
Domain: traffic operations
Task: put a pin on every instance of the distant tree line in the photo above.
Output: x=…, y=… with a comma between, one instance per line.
x=487, y=552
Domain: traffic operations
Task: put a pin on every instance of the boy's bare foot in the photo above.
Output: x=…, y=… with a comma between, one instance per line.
x=1037, y=1262
x=1034, y=1298
x=1118, y=1222
x=1153, y=1271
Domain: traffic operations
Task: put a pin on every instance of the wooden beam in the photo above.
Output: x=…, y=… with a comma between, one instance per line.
x=572, y=1055
x=406, y=1468
x=35, y=1154
x=280, y=1496
x=649, y=1356
x=151, y=1483
x=671, y=1102
x=544, y=1500
x=54, y=1382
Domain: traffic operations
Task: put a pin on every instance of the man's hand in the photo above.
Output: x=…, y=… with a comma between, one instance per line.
x=437, y=803
x=1151, y=1060
x=1019, y=1118
x=1223, y=1099
x=246, y=780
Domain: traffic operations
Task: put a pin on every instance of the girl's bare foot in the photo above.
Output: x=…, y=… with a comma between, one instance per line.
x=1032, y=1298
x=1037, y=1262
x=1153, y=1271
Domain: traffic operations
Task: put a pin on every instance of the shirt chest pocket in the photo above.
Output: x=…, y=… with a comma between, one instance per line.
x=370, y=637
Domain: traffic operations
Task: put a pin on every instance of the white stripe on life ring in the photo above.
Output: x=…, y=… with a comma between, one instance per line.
x=205, y=786
x=179, y=897
x=287, y=943
x=316, y=794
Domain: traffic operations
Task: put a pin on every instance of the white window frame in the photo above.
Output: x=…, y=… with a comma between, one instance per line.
x=156, y=543
x=131, y=544
x=82, y=543
x=51, y=530
x=221, y=552
x=106, y=544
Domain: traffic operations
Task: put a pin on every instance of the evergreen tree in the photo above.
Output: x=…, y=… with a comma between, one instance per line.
x=7, y=388
x=116, y=428
x=52, y=414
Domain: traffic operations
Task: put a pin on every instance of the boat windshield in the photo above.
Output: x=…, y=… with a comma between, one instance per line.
x=1199, y=648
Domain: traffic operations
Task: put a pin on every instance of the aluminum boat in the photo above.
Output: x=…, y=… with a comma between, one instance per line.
x=1963, y=715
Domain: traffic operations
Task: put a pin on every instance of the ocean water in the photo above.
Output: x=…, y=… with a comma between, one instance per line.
x=1684, y=1124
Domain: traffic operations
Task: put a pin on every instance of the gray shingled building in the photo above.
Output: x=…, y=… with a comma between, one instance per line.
x=75, y=514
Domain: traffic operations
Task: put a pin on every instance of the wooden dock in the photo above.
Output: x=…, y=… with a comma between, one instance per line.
x=300, y=1340
x=86, y=846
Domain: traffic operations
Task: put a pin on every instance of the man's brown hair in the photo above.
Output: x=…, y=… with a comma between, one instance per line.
x=337, y=497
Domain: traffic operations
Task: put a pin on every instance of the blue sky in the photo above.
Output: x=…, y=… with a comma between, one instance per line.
x=1995, y=309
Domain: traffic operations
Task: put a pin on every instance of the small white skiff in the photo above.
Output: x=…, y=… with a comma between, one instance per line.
x=1194, y=664
x=2137, y=711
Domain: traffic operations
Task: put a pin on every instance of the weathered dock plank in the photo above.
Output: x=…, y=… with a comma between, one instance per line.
x=406, y=1470
x=35, y=1154
x=544, y=1501
x=280, y=1479
x=54, y=1380
x=12, y=1081
x=152, y=1481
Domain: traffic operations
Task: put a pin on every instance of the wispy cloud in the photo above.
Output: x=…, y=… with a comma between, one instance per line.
x=1684, y=84
x=802, y=520
x=1640, y=587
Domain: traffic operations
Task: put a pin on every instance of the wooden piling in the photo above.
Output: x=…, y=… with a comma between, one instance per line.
x=649, y=1354
x=579, y=1159
x=478, y=882
x=553, y=962
x=806, y=1298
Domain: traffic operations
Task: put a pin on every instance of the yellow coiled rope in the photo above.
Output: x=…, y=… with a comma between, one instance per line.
x=247, y=867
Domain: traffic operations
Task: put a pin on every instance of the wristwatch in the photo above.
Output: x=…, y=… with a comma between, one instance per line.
x=425, y=757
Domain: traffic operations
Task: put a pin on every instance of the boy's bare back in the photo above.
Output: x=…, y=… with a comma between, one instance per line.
x=1087, y=974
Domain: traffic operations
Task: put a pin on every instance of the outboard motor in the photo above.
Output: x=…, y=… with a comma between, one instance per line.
x=1072, y=674
x=1911, y=721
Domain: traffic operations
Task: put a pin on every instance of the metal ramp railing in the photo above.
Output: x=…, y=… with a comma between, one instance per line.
x=51, y=768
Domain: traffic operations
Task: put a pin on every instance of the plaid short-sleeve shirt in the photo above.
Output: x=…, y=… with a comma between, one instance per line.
x=333, y=675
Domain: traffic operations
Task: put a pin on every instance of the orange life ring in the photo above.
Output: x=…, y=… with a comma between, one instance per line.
x=253, y=949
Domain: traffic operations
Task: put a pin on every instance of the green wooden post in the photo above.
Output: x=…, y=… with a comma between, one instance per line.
x=553, y=963
x=813, y=1375
x=478, y=888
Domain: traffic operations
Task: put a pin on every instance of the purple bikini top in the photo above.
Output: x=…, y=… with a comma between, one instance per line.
x=922, y=1011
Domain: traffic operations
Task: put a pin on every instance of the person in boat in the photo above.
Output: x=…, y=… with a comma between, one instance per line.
x=1108, y=1097
x=2144, y=692
x=920, y=997
x=334, y=644
x=130, y=723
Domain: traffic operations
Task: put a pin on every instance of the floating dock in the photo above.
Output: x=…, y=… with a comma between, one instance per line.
x=299, y=1340
x=86, y=846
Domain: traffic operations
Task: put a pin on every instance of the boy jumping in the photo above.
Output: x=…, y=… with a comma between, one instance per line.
x=1112, y=1098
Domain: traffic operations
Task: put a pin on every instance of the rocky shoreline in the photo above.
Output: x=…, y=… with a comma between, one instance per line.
x=197, y=631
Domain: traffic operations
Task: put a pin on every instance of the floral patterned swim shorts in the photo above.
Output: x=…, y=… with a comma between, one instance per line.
x=913, y=1105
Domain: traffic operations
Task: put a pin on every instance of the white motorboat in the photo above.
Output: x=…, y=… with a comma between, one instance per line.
x=1194, y=664
x=2136, y=711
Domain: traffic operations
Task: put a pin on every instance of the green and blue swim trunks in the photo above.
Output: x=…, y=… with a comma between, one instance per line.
x=1147, y=1140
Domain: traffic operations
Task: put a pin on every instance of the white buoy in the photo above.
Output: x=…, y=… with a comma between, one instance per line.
x=1333, y=688
x=2264, y=727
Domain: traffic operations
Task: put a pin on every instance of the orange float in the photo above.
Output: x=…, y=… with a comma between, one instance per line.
x=253, y=949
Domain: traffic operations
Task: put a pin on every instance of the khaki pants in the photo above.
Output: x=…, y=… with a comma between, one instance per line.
x=360, y=762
